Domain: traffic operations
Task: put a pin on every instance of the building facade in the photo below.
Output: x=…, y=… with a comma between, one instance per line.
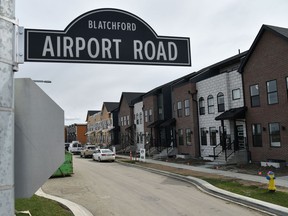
x=265, y=78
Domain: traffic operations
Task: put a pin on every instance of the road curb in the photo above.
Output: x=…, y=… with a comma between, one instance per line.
x=206, y=187
x=75, y=208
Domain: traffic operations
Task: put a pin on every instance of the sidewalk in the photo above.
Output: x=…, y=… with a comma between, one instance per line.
x=280, y=181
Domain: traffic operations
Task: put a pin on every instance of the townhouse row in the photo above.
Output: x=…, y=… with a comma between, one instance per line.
x=237, y=107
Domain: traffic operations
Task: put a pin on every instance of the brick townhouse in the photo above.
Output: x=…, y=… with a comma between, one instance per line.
x=265, y=79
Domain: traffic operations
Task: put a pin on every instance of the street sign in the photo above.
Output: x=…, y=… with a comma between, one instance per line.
x=106, y=36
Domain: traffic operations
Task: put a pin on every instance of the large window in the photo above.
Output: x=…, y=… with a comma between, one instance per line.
x=188, y=136
x=255, y=95
x=203, y=136
x=180, y=137
x=179, y=109
x=201, y=106
x=272, y=93
x=212, y=131
x=140, y=117
x=257, y=135
x=210, y=102
x=186, y=108
x=274, y=134
x=220, y=102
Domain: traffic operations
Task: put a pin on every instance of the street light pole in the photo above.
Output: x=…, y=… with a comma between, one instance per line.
x=7, y=62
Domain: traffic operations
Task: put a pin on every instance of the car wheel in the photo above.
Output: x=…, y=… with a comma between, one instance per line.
x=99, y=159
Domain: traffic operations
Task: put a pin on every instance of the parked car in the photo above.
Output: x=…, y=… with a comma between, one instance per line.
x=87, y=151
x=75, y=148
x=103, y=155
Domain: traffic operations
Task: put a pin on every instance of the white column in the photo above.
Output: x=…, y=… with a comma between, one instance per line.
x=7, y=13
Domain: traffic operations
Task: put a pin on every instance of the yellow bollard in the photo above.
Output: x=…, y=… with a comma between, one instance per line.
x=271, y=177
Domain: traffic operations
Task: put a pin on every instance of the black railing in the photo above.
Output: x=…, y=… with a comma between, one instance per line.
x=214, y=151
x=230, y=146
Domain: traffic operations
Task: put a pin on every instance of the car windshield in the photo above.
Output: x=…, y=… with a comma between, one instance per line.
x=106, y=151
x=91, y=147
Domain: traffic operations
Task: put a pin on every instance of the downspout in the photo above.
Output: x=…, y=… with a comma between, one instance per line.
x=197, y=119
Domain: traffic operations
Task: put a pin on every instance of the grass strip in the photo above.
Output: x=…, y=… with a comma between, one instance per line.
x=40, y=206
x=278, y=197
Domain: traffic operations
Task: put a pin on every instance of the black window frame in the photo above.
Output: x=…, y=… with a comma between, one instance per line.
x=188, y=137
x=203, y=136
x=255, y=98
x=233, y=95
x=180, y=136
x=274, y=135
x=272, y=92
x=211, y=108
x=213, y=136
x=256, y=135
x=187, y=108
x=220, y=103
x=201, y=106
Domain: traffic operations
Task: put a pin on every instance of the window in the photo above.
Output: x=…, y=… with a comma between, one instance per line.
x=187, y=107
x=127, y=117
x=287, y=85
x=272, y=93
x=188, y=136
x=203, y=136
x=141, y=117
x=179, y=109
x=257, y=135
x=220, y=102
x=210, y=102
x=137, y=119
x=212, y=131
x=180, y=136
x=150, y=115
x=201, y=106
x=146, y=115
x=274, y=134
x=254, y=96
x=236, y=94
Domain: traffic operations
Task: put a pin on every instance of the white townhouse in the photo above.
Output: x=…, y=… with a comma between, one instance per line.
x=139, y=125
x=221, y=109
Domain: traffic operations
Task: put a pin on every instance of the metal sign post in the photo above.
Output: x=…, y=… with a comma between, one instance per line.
x=7, y=63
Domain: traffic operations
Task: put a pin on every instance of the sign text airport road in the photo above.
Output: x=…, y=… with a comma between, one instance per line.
x=106, y=36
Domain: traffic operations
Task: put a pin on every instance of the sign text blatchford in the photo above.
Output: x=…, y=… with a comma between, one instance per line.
x=106, y=36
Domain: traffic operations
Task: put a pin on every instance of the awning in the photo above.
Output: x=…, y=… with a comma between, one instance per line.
x=155, y=124
x=235, y=113
x=168, y=122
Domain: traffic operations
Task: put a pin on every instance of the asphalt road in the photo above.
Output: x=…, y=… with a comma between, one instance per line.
x=109, y=189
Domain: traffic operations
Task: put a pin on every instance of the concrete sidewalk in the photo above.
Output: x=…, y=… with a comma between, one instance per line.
x=280, y=181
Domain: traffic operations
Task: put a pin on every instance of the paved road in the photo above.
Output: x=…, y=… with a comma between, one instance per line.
x=110, y=189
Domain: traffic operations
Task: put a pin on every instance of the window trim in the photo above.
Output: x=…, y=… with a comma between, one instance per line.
x=219, y=105
x=255, y=134
x=187, y=108
x=180, y=137
x=272, y=92
x=203, y=136
x=272, y=135
x=201, y=106
x=188, y=136
x=236, y=98
x=211, y=109
x=179, y=109
x=254, y=96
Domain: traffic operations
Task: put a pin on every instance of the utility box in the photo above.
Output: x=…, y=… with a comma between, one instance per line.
x=66, y=169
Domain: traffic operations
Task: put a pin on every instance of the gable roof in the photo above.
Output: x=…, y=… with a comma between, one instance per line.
x=130, y=96
x=279, y=31
x=90, y=113
x=110, y=106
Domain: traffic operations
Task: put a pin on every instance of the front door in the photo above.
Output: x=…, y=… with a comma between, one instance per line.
x=240, y=137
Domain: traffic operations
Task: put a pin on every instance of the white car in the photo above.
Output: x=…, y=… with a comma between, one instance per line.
x=103, y=155
x=87, y=151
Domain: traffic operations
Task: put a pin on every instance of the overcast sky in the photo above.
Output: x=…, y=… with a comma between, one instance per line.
x=217, y=29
